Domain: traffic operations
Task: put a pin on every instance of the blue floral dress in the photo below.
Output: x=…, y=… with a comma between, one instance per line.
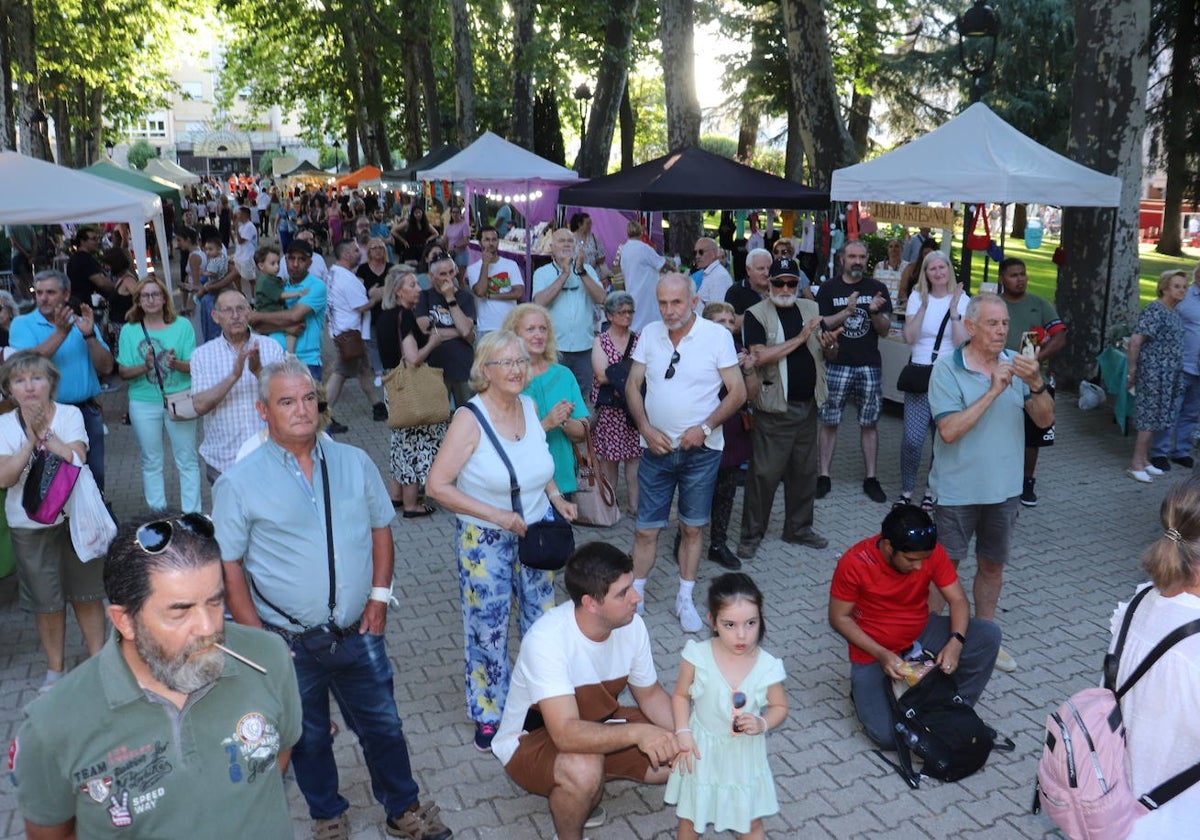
x=1159, y=363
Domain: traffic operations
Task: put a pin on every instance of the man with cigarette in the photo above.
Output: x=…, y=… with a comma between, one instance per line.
x=321, y=578
x=179, y=722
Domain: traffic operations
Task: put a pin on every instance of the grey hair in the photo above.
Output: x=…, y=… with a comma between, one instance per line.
x=290, y=366
x=64, y=282
x=128, y=568
x=858, y=242
x=616, y=300
x=975, y=303
x=759, y=252
x=488, y=348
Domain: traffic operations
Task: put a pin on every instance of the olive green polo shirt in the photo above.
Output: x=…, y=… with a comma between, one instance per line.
x=124, y=762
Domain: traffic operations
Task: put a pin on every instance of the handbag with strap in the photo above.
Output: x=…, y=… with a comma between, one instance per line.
x=547, y=544
x=980, y=241
x=49, y=483
x=612, y=393
x=350, y=345
x=416, y=396
x=595, y=499
x=914, y=378
x=179, y=405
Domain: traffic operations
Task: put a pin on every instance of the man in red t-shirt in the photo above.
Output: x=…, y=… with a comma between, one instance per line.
x=879, y=602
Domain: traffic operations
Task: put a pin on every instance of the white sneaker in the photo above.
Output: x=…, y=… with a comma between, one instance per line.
x=596, y=818
x=689, y=619
x=1139, y=475
x=1005, y=662
x=1153, y=470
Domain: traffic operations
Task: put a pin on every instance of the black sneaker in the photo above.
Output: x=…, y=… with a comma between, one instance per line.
x=873, y=490
x=722, y=556
x=336, y=428
x=1162, y=463
x=824, y=485
x=1028, y=497
x=379, y=412
x=1186, y=462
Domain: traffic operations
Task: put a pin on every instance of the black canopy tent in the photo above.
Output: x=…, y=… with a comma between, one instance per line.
x=693, y=179
x=305, y=169
x=435, y=158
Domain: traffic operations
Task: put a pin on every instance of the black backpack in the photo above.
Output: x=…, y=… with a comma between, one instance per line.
x=934, y=722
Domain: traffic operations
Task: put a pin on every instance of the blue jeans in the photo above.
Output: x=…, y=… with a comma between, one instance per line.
x=93, y=423
x=693, y=471
x=1176, y=442
x=359, y=674
x=148, y=420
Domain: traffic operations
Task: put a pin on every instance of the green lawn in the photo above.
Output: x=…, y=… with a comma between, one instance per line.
x=1043, y=274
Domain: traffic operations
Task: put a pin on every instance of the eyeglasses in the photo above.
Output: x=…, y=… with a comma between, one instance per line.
x=671, y=367
x=230, y=310
x=625, y=311
x=154, y=537
x=699, y=252
x=150, y=295
x=508, y=364
x=779, y=283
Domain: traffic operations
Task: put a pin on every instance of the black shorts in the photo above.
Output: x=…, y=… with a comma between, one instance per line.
x=1036, y=438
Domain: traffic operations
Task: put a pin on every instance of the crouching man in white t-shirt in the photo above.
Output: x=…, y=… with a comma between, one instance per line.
x=564, y=733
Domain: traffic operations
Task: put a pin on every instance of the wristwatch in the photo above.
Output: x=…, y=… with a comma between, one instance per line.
x=961, y=638
x=450, y=304
x=707, y=429
x=1035, y=391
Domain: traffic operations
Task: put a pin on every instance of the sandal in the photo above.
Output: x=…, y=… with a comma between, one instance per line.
x=927, y=503
x=415, y=514
x=901, y=501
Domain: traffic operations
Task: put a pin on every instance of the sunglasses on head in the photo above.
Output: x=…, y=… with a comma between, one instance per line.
x=918, y=539
x=155, y=537
x=671, y=367
x=791, y=283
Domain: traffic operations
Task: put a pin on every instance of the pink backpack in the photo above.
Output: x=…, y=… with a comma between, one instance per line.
x=1083, y=775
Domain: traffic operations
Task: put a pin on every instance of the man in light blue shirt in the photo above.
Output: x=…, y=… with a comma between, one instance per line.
x=570, y=289
x=54, y=331
x=308, y=310
x=329, y=603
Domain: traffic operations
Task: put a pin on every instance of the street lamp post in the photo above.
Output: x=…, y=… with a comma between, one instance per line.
x=978, y=32
x=583, y=96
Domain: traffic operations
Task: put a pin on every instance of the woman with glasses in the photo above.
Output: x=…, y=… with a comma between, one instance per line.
x=553, y=389
x=470, y=478
x=615, y=437
x=153, y=355
x=48, y=569
x=402, y=341
x=433, y=252
x=933, y=326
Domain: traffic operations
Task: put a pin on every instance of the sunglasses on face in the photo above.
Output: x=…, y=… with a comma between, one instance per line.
x=155, y=537
x=780, y=283
x=671, y=368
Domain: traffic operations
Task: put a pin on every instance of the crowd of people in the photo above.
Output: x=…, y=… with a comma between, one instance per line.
x=692, y=386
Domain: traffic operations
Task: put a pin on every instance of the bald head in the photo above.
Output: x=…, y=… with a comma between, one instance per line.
x=677, y=301
x=705, y=253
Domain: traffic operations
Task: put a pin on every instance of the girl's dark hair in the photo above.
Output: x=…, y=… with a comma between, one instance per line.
x=1173, y=560
x=730, y=588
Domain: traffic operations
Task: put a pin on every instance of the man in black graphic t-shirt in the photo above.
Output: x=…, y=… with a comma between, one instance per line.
x=862, y=308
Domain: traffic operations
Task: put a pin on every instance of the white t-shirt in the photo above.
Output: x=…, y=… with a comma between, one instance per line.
x=715, y=284
x=556, y=659
x=922, y=351
x=506, y=274
x=67, y=425
x=640, y=265
x=484, y=476
x=686, y=399
x=245, y=250
x=346, y=292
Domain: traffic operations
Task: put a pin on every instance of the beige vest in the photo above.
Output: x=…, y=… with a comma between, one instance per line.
x=772, y=395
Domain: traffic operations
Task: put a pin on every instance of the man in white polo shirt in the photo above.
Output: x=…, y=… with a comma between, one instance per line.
x=684, y=362
x=496, y=282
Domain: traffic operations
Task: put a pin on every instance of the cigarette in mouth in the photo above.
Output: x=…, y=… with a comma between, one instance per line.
x=242, y=659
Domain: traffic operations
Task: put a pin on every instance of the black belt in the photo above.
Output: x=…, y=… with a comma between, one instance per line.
x=338, y=633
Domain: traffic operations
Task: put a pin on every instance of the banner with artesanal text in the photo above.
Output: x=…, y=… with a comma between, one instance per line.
x=911, y=215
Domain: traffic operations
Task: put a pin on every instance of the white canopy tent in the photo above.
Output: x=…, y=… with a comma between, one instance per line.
x=39, y=193
x=976, y=157
x=168, y=170
x=492, y=158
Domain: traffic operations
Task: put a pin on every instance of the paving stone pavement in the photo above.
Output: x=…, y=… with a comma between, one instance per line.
x=1075, y=555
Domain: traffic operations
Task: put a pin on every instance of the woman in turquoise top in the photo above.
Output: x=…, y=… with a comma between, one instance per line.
x=553, y=389
x=153, y=355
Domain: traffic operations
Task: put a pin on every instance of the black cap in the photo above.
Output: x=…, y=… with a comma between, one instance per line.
x=785, y=267
x=300, y=245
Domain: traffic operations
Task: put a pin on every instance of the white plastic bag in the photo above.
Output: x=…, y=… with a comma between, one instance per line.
x=92, y=527
x=1090, y=396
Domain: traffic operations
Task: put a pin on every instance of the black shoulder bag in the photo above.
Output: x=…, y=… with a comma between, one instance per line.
x=612, y=393
x=547, y=544
x=914, y=378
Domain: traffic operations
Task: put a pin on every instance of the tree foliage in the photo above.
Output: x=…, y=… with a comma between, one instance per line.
x=140, y=154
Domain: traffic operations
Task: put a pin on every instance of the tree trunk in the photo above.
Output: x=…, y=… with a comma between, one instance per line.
x=811, y=67
x=1020, y=219
x=350, y=68
x=676, y=27
x=859, y=124
x=748, y=123
x=1107, y=124
x=1179, y=106
x=793, y=156
x=62, y=130
x=547, y=128
x=521, y=131
x=412, y=107
x=596, y=147
x=464, y=71
x=433, y=113
x=8, y=105
x=33, y=137
x=628, y=128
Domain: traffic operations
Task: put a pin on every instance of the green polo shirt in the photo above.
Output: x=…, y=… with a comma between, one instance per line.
x=984, y=466
x=123, y=762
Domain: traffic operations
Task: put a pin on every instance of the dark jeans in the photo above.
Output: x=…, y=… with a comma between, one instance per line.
x=94, y=424
x=359, y=674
